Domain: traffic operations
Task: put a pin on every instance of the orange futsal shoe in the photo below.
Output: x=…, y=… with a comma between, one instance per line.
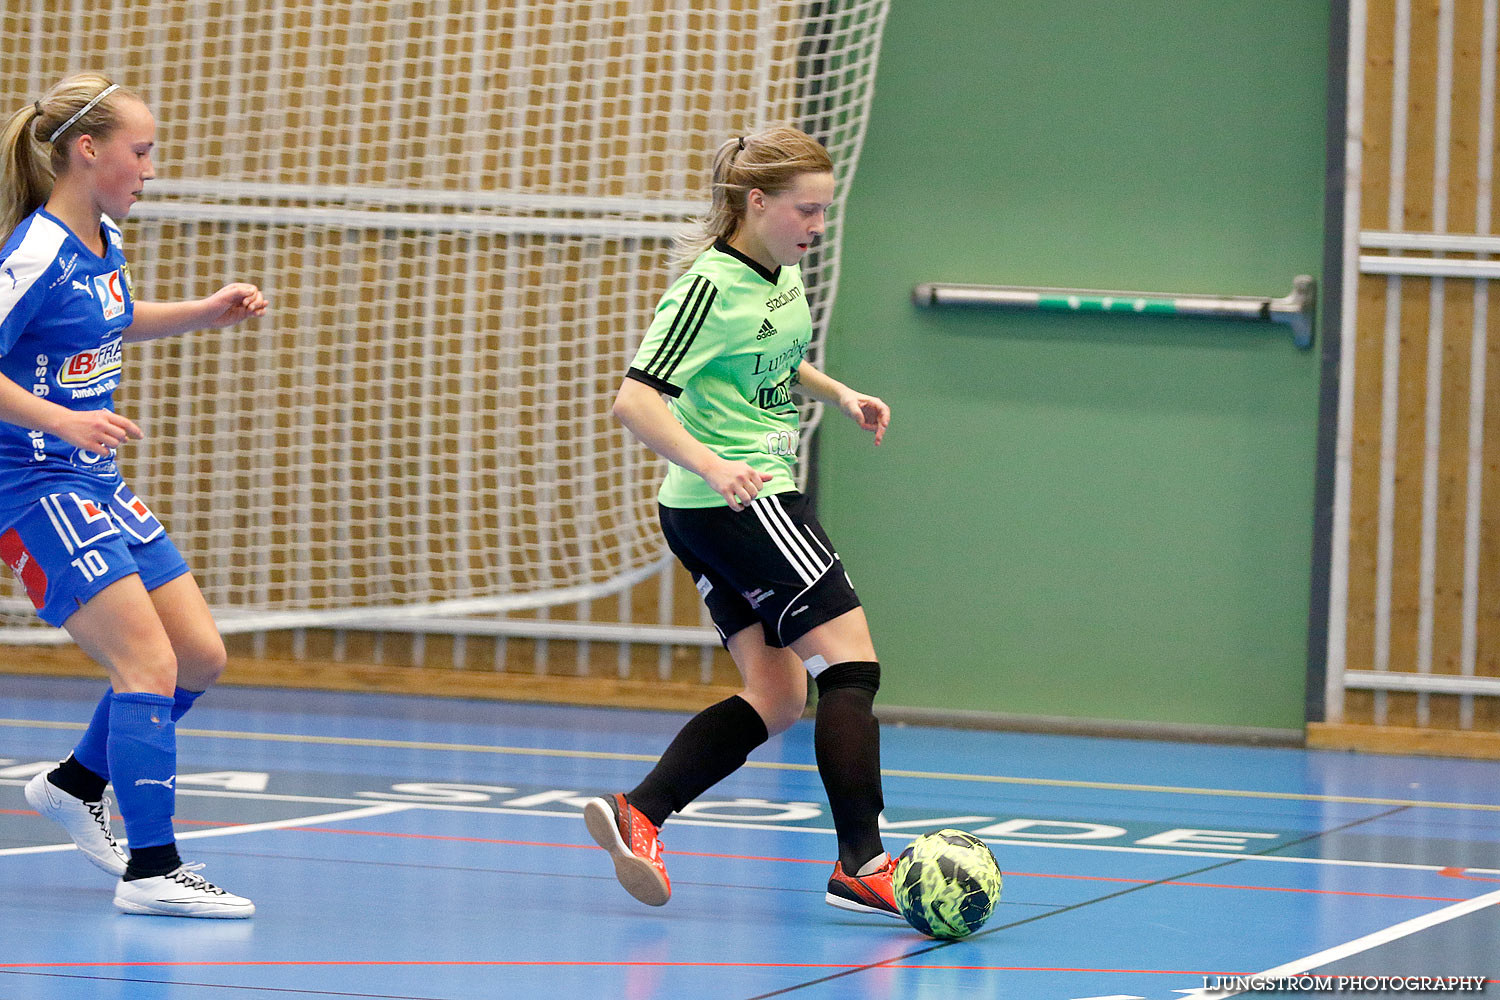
x=871, y=893
x=630, y=838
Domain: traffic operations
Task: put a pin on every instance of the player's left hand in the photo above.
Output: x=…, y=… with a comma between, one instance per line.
x=234, y=302
x=870, y=412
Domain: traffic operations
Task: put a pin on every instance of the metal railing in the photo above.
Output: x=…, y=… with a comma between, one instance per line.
x=1295, y=311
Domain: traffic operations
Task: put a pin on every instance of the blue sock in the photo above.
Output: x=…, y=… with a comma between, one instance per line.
x=182, y=700
x=143, y=763
x=92, y=749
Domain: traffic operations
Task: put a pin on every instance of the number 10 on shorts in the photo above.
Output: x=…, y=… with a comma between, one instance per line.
x=91, y=564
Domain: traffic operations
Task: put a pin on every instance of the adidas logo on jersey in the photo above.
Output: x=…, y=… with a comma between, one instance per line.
x=766, y=330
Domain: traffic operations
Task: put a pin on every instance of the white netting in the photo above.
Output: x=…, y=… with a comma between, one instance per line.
x=461, y=218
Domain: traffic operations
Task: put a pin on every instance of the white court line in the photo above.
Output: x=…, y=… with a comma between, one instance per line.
x=729, y=824
x=350, y=741
x=1369, y=941
x=229, y=831
x=281, y=824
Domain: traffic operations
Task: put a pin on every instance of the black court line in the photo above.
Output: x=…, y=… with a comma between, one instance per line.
x=938, y=946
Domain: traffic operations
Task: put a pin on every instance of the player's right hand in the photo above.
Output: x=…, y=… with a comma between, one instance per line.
x=736, y=482
x=98, y=431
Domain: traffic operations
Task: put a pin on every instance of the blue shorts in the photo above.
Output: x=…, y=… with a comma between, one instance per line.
x=66, y=547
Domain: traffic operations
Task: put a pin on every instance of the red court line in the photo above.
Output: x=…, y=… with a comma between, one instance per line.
x=1246, y=888
x=523, y=963
x=812, y=861
x=1449, y=872
x=1459, y=873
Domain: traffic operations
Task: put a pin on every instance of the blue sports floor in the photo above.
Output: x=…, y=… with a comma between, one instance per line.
x=431, y=849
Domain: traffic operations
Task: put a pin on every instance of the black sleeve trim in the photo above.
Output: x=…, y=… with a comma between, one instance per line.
x=654, y=382
x=685, y=326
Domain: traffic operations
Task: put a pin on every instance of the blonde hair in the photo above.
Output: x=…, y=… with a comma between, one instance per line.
x=31, y=158
x=770, y=160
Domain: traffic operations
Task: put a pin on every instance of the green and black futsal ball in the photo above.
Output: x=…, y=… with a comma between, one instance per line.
x=947, y=884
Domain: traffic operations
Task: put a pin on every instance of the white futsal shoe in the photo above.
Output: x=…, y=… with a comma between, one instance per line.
x=86, y=822
x=182, y=893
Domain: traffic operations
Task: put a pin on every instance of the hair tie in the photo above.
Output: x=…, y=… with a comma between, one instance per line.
x=742, y=144
x=38, y=106
x=83, y=111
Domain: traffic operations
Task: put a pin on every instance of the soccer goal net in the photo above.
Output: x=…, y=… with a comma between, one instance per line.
x=461, y=215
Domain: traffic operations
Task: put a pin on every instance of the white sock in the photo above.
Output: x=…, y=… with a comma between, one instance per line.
x=874, y=865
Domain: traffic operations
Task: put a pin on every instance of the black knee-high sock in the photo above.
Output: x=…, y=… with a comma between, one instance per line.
x=712, y=746
x=846, y=740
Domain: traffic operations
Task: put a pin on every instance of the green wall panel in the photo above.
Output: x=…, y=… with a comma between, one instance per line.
x=1100, y=517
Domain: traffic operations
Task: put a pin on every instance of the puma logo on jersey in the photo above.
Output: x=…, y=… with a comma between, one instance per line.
x=766, y=330
x=12, y=272
x=85, y=289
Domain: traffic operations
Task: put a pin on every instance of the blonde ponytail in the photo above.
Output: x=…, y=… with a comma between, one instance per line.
x=25, y=177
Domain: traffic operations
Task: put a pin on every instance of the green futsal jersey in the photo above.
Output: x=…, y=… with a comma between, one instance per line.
x=725, y=345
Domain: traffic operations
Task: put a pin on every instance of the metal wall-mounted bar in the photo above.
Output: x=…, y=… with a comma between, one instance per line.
x=1391, y=680
x=1295, y=311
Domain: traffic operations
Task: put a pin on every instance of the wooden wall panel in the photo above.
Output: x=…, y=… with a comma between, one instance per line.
x=1431, y=365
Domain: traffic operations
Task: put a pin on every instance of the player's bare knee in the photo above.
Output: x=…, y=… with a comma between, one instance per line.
x=787, y=711
x=154, y=672
x=199, y=666
x=779, y=707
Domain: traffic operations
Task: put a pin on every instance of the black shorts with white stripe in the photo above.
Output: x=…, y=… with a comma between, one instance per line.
x=770, y=563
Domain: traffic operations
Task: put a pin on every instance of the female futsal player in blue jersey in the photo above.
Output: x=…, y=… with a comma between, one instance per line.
x=88, y=552
x=728, y=347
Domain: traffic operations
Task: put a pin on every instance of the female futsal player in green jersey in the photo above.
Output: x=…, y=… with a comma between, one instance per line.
x=727, y=351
